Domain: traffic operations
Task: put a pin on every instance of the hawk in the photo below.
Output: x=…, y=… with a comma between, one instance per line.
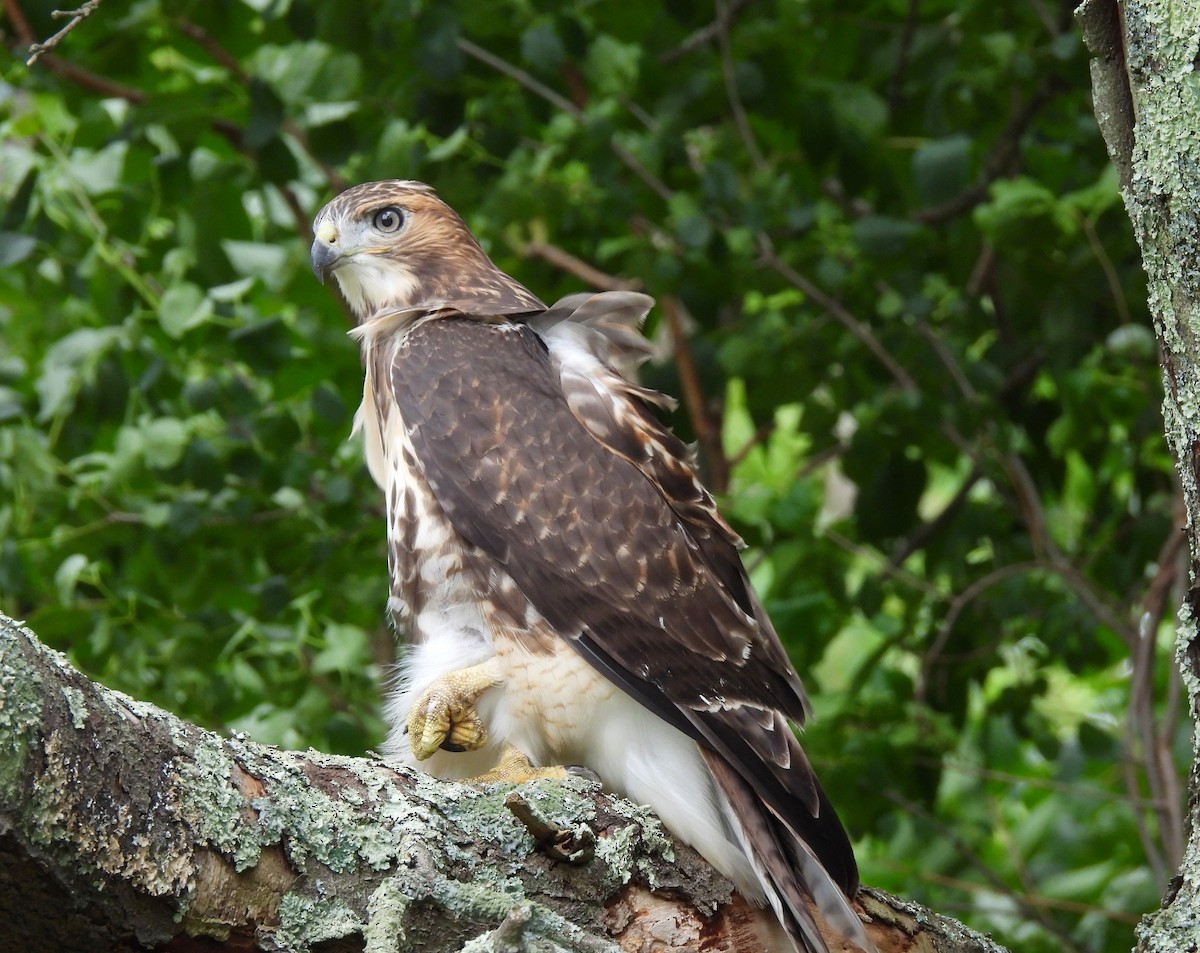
x=571, y=594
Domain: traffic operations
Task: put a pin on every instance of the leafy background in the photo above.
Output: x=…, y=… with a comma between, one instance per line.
x=897, y=292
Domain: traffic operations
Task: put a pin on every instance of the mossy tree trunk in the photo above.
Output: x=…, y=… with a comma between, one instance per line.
x=123, y=828
x=1147, y=100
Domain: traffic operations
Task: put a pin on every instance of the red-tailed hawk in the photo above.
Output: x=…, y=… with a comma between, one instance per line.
x=571, y=593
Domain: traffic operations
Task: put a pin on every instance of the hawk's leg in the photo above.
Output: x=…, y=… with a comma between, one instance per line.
x=444, y=715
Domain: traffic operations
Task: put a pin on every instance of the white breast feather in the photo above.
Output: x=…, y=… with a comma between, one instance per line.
x=447, y=632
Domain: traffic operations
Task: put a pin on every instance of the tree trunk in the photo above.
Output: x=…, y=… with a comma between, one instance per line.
x=1147, y=101
x=124, y=828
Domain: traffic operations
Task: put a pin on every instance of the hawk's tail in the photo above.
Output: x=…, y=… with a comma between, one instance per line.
x=791, y=873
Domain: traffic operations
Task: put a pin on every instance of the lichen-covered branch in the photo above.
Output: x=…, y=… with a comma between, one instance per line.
x=1145, y=90
x=124, y=828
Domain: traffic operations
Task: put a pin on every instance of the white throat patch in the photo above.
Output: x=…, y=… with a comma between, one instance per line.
x=371, y=284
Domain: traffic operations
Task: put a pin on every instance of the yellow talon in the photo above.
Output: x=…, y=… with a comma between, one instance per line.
x=444, y=716
x=515, y=768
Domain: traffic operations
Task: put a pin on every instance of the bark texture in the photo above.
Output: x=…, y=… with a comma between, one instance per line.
x=1147, y=100
x=123, y=828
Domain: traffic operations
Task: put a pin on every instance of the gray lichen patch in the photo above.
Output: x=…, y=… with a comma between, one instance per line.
x=532, y=928
x=203, y=793
x=77, y=706
x=370, y=828
x=633, y=847
x=305, y=921
x=384, y=932
x=20, y=712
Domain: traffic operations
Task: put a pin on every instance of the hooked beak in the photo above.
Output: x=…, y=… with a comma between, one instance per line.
x=325, y=252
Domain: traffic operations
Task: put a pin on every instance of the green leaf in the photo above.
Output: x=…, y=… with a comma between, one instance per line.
x=346, y=649
x=942, y=168
x=184, y=306
x=258, y=260
x=612, y=66
x=15, y=248
x=163, y=441
x=71, y=363
x=11, y=404
x=68, y=575
x=541, y=47
x=98, y=171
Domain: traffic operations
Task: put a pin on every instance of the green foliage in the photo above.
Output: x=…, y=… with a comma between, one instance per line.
x=917, y=327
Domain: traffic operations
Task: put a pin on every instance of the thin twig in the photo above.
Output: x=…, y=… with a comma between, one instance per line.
x=707, y=433
x=631, y=162
x=961, y=601
x=81, y=77
x=704, y=35
x=588, y=274
x=957, y=374
x=896, y=86
x=77, y=16
x=929, y=529
x=523, y=78
x=1110, y=272
x=732, y=93
x=981, y=273
x=859, y=329
x=881, y=563
x=1029, y=504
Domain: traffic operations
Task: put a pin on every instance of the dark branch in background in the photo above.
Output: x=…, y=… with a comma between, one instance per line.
x=589, y=274
x=896, y=87
x=1148, y=744
x=729, y=75
x=930, y=529
x=707, y=34
x=858, y=328
x=77, y=16
x=632, y=162
x=936, y=654
x=708, y=434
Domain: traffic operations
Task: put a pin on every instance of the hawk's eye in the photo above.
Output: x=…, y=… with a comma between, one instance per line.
x=388, y=219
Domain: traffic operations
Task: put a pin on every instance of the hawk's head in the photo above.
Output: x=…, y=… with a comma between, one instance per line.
x=395, y=246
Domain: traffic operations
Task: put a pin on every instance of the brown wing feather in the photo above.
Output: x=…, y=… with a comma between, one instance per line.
x=642, y=591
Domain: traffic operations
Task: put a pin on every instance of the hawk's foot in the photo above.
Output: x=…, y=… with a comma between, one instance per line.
x=444, y=715
x=514, y=768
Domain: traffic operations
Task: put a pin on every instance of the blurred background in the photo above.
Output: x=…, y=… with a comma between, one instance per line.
x=898, y=296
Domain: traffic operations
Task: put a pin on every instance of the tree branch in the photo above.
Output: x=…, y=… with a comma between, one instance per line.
x=1143, y=60
x=124, y=827
x=76, y=17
